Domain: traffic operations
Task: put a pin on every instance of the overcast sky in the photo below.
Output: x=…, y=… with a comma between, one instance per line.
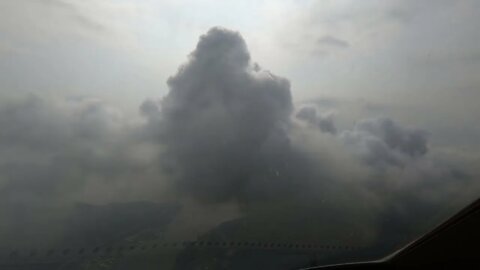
x=119, y=100
x=419, y=58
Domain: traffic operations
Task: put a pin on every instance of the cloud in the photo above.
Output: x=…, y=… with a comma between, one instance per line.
x=55, y=153
x=331, y=41
x=381, y=141
x=324, y=122
x=72, y=149
x=224, y=121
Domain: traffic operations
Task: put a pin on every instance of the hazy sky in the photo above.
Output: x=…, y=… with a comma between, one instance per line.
x=238, y=103
x=418, y=57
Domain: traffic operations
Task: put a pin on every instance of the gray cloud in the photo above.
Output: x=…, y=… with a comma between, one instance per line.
x=224, y=122
x=331, y=41
x=54, y=153
x=43, y=139
x=324, y=122
x=382, y=141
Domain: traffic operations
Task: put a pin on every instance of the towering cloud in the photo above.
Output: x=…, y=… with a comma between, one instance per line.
x=224, y=122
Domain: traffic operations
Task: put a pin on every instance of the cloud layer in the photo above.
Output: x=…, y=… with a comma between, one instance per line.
x=227, y=132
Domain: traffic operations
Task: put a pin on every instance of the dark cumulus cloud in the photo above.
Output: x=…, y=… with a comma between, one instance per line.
x=381, y=141
x=324, y=122
x=224, y=121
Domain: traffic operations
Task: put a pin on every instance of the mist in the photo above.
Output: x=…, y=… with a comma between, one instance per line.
x=226, y=139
